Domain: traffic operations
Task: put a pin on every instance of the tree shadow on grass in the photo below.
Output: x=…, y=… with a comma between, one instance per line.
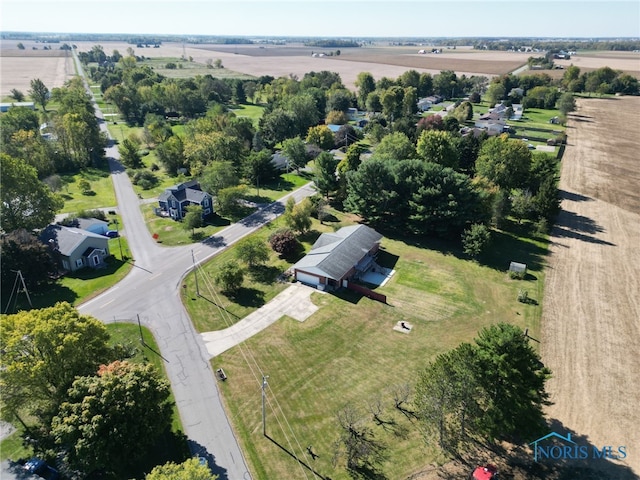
x=42, y=299
x=265, y=274
x=248, y=297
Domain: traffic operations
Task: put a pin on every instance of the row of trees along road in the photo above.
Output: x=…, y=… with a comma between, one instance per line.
x=80, y=400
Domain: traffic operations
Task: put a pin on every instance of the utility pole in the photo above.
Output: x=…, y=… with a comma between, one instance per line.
x=115, y=220
x=195, y=271
x=140, y=328
x=264, y=418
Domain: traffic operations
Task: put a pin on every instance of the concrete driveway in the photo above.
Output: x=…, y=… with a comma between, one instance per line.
x=295, y=302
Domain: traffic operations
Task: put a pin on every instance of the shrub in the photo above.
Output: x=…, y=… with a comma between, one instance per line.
x=283, y=241
x=145, y=179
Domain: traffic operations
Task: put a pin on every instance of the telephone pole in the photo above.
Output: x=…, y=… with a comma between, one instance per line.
x=195, y=272
x=264, y=418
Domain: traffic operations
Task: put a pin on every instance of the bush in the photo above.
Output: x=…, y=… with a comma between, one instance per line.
x=99, y=214
x=170, y=66
x=476, y=239
x=283, y=241
x=145, y=179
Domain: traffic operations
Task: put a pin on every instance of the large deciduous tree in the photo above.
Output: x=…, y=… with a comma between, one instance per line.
x=504, y=162
x=39, y=93
x=43, y=351
x=26, y=201
x=395, y=147
x=110, y=420
x=321, y=136
x=566, y=103
x=193, y=218
x=438, y=147
x=190, y=469
x=252, y=251
x=365, y=84
x=229, y=277
x=217, y=176
x=20, y=250
x=295, y=150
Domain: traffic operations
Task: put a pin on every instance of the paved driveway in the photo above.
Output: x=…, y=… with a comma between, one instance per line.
x=294, y=302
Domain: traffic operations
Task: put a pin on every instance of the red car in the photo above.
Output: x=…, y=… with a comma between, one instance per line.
x=486, y=472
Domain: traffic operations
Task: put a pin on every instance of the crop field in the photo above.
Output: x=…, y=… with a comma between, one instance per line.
x=591, y=308
x=19, y=67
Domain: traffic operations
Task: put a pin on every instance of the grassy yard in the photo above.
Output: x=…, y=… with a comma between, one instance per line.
x=171, y=233
x=347, y=353
x=101, y=194
x=253, y=112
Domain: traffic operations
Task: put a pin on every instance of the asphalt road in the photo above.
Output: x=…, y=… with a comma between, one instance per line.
x=151, y=292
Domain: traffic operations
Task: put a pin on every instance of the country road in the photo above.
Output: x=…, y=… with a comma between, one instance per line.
x=150, y=293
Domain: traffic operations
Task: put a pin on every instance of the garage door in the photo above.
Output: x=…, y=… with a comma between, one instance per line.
x=308, y=279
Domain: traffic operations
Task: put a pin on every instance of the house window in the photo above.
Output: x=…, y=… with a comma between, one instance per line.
x=205, y=202
x=206, y=211
x=65, y=264
x=79, y=262
x=96, y=260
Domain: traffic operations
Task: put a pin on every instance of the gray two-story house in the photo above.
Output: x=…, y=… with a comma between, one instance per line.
x=175, y=200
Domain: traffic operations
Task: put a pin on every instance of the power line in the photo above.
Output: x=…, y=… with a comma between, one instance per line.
x=260, y=377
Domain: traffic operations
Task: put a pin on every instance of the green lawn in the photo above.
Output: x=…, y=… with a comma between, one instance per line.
x=348, y=353
x=171, y=233
x=253, y=112
x=101, y=195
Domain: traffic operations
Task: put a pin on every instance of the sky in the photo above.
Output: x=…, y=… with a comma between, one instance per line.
x=346, y=18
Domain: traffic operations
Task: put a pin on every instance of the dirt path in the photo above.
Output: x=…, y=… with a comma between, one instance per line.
x=591, y=314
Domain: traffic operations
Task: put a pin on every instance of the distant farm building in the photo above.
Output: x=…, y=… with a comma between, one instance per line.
x=4, y=107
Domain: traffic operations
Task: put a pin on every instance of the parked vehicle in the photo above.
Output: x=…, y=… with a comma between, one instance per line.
x=41, y=468
x=112, y=234
x=485, y=472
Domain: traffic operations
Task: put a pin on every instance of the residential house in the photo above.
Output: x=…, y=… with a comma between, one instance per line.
x=339, y=256
x=518, y=110
x=75, y=248
x=424, y=104
x=175, y=200
x=492, y=122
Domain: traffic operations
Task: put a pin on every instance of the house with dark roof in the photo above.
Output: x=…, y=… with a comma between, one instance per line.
x=174, y=200
x=74, y=248
x=339, y=256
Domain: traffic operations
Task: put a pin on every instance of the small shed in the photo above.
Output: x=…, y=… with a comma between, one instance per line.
x=518, y=268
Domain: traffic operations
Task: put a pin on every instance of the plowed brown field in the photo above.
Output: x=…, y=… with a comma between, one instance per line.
x=591, y=309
